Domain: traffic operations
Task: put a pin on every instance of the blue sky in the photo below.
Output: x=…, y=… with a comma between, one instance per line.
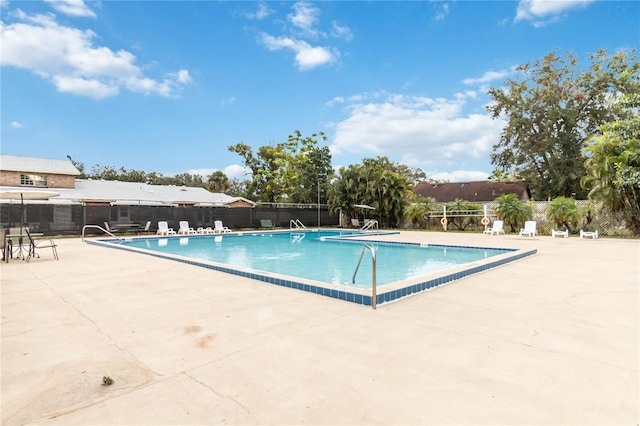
x=163, y=86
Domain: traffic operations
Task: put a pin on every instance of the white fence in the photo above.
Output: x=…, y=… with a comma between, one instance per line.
x=606, y=223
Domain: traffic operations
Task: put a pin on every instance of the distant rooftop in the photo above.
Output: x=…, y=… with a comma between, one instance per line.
x=476, y=191
x=17, y=163
x=133, y=192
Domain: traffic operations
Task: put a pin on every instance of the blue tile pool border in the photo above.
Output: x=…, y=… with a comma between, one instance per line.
x=382, y=297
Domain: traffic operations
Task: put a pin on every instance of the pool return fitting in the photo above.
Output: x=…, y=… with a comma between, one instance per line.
x=373, y=273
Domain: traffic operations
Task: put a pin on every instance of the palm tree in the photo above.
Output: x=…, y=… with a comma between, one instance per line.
x=564, y=212
x=613, y=170
x=462, y=207
x=375, y=183
x=415, y=212
x=418, y=212
x=512, y=210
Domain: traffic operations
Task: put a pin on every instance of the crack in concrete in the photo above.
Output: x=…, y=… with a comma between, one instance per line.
x=97, y=327
x=218, y=394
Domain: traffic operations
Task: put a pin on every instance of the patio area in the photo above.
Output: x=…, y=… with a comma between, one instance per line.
x=550, y=339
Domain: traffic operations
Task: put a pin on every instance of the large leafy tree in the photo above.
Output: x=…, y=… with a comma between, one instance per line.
x=218, y=182
x=238, y=188
x=310, y=172
x=414, y=175
x=377, y=183
x=122, y=174
x=550, y=109
x=288, y=171
x=501, y=175
x=613, y=163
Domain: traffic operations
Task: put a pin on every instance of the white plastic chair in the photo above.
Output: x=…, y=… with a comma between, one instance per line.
x=163, y=228
x=185, y=229
x=497, y=228
x=589, y=234
x=529, y=229
x=146, y=228
x=219, y=228
x=564, y=234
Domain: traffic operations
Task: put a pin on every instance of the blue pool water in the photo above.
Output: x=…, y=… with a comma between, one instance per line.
x=318, y=256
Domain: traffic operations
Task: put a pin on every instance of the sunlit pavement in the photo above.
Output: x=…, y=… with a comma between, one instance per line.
x=550, y=339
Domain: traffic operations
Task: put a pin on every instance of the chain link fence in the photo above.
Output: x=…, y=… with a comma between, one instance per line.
x=68, y=219
x=594, y=218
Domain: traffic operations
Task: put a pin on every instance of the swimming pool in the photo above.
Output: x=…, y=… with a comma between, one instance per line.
x=325, y=262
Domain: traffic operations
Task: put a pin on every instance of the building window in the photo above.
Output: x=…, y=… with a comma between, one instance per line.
x=33, y=180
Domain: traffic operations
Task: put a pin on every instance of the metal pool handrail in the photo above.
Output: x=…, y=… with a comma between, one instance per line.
x=370, y=225
x=373, y=273
x=100, y=228
x=296, y=224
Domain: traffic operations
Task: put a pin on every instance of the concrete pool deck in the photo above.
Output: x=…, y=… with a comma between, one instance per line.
x=550, y=339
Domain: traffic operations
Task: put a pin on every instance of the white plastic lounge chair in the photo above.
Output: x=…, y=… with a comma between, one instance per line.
x=163, y=228
x=355, y=223
x=219, y=228
x=146, y=228
x=529, y=229
x=497, y=228
x=108, y=228
x=589, y=234
x=207, y=230
x=185, y=229
x=564, y=234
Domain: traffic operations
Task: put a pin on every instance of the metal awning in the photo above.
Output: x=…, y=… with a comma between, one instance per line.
x=364, y=206
x=26, y=194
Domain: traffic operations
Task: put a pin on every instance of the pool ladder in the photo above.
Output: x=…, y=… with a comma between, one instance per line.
x=296, y=224
x=370, y=225
x=374, y=295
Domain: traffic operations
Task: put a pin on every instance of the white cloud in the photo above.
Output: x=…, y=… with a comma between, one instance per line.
x=307, y=56
x=443, y=12
x=67, y=57
x=539, y=10
x=304, y=20
x=201, y=172
x=17, y=125
x=227, y=101
x=487, y=77
x=457, y=175
x=72, y=8
x=182, y=76
x=340, y=31
x=236, y=171
x=262, y=12
x=84, y=87
x=305, y=17
x=419, y=131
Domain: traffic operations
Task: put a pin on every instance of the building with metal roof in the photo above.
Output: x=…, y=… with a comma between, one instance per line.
x=58, y=177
